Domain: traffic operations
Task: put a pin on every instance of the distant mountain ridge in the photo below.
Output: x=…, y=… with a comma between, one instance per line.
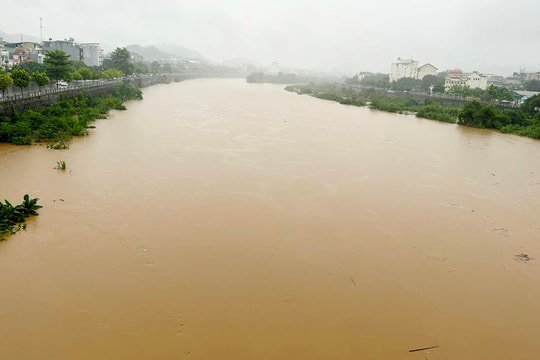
x=15, y=38
x=164, y=51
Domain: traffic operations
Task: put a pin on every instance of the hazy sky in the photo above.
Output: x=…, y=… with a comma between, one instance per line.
x=486, y=35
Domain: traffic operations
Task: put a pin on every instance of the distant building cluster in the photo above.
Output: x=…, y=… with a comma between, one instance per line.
x=408, y=68
x=20, y=52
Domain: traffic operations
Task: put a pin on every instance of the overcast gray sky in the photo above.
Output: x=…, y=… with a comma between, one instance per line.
x=486, y=35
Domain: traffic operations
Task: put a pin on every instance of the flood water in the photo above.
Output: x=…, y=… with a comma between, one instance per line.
x=222, y=220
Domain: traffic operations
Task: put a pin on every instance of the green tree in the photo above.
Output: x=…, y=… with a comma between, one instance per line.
x=483, y=116
x=462, y=91
x=155, y=67
x=406, y=84
x=57, y=65
x=499, y=93
x=31, y=67
x=438, y=88
x=111, y=74
x=21, y=78
x=140, y=68
x=121, y=60
x=376, y=81
x=76, y=76
x=256, y=77
x=532, y=85
x=85, y=72
x=531, y=106
x=40, y=78
x=5, y=82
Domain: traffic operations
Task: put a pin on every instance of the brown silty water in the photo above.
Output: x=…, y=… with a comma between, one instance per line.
x=222, y=220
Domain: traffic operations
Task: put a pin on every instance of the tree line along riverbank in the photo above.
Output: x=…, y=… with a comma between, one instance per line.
x=524, y=121
x=68, y=117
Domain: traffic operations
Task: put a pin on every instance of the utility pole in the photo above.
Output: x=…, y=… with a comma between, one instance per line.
x=41, y=29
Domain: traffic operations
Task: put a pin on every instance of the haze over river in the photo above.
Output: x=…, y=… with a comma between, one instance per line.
x=217, y=219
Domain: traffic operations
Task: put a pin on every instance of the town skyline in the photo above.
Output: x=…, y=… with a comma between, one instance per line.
x=321, y=35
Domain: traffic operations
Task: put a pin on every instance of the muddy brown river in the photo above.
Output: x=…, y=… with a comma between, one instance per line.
x=222, y=220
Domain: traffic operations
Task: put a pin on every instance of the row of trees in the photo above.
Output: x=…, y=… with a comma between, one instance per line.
x=57, y=66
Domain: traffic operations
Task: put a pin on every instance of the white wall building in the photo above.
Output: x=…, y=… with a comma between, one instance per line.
x=403, y=68
x=473, y=80
x=92, y=54
x=425, y=70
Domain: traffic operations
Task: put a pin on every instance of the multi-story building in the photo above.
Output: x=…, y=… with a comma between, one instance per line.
x=70, y=47
x=473, y=80
x=21, y=52
x=90, y=53
x=425, y=70
x=403, y=68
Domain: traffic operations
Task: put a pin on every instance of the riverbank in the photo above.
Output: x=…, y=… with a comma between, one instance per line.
x=68, y=117
x=523, y=121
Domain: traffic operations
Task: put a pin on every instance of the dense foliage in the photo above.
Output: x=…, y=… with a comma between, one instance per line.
x=429, y=109
x=57, y=65
x=524, y=120
x=64, y=119
x=12, y=218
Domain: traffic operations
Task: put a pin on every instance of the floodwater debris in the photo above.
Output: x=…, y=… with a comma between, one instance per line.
x=523, y=258
x=424, y=348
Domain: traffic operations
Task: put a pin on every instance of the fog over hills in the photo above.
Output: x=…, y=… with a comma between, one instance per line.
x=162, y=51
x=18, y=37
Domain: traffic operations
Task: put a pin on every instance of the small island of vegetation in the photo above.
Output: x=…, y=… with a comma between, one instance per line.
x=12, y=218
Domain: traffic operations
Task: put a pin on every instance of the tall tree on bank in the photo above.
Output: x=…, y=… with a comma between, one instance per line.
x=121, y=60
x=21, y=78
x=5, y=82
x=40, y=78
x=57, y=65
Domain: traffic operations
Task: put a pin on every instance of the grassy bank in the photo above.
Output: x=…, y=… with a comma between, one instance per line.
x=59, y=122
x=429, y=109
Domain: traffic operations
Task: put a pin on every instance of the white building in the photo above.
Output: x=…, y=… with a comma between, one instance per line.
x=473, y=80
x=92, y=54
x=403, y=68
x=425, y=70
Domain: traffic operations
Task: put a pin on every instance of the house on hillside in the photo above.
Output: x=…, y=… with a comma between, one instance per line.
x=425, y=70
